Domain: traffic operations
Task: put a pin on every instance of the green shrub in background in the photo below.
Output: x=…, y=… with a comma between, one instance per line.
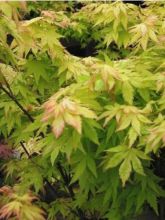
x=79, y=134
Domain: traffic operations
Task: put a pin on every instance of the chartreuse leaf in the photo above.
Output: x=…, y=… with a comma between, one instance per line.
x=137, y=165
x=125, y=122
x=38, y=68
x=54, y=154
x=127, y=117
x=20, y=205
x=91, y=165
x=116, y=160
x=127, y=92
x=125, y=170
x=98, y=109
x=136, y=124
x=90, y=132
x=156, y=138
x=111, y=130
x=80, y=168
x=132, y=136
x=84, y=164
x=129, y=159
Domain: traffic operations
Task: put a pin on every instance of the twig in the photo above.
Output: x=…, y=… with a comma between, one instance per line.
x=18, y=104
x=70, y=189
x=63, y=173
x=45, y=179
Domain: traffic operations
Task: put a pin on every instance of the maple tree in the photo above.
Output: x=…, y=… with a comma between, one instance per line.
x=79, y=130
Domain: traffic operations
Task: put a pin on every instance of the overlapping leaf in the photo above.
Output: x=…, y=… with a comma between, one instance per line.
x=128, y=158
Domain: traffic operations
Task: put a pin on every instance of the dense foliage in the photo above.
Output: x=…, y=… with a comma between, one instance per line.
x=79, y=135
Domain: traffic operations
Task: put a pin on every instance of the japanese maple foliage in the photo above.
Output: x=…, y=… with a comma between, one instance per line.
x=79, y=133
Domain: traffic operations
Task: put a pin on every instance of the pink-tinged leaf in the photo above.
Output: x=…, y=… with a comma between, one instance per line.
x=6, y=190
x=58, y=110
x=58, y=126
x=49, y=105
x=50, y=109
x=20, y=206
x=46, y=117
x=69, y=105
x=73, y=120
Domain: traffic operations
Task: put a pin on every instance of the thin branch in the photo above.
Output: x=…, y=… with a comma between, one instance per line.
x=67, y=184
x=60, y=168
x=45, y=179
x=25, y=150
x=10, y=94
x=79, y=212
x=69, y=188
x=18, y=104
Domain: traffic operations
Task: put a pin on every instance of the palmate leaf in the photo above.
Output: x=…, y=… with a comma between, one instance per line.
x=37, y=27
x=126, y=116
x=129, y=159
x=111, y=76
x=32, y=177
x=84, y=165
x=156, y=138
x=72, y=67
x=20, y=206
x=38, y=68
x=144, y=31
x=66, y=112
x=149, y=191
x=7, y=73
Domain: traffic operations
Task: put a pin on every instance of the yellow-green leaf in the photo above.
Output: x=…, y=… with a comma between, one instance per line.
x=125, y=170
